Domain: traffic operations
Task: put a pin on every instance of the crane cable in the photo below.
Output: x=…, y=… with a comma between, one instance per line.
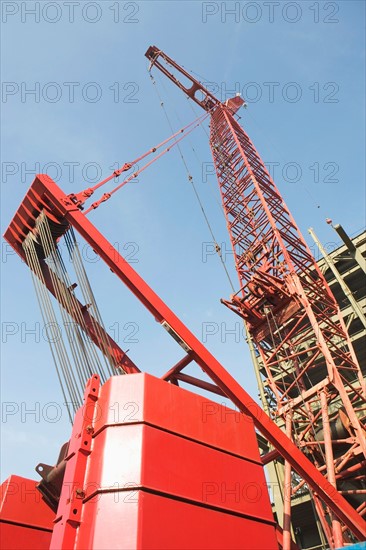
x=76, y=357
x=191, y=126
x=191, y=180
x=88, y=192
x=219, y=204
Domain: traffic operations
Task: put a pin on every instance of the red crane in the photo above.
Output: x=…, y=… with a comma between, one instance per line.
x=312, y=378
x=282, y=298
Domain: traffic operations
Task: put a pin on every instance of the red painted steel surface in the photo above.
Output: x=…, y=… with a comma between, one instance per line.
x=45, y=191
x=22, y=503
x=184, y=413
x=26, y=522
x=189, y=470
x=20, y=537
x=193, y=88
x=69, y=510
x=152, y=522
x=143, y=466
x=202, y=464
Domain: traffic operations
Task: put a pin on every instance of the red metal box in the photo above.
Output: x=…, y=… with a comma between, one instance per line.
x=140, y=520
x=144, y=398
x=158, y=467
x=26, y=522
x=142, y=456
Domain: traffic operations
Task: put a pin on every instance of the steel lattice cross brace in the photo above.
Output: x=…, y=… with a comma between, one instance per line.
x=45, y=195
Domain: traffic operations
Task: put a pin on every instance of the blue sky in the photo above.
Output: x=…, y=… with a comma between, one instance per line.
x=309, y=55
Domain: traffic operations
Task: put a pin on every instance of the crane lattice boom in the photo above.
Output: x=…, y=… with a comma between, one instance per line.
x=310, y=369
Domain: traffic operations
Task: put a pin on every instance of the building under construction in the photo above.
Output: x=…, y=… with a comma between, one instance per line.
x=344, y=270
x=172, y=469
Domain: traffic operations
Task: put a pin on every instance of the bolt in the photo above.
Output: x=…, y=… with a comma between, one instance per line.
x=80, y=493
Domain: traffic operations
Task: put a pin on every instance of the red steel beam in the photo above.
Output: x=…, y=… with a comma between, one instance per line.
x=171, y=374
x=287, y=500
x=336, y=526
x=63, y=207
x=199, y=384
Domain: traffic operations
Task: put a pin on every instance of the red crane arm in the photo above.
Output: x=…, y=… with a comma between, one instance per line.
x=193, y=88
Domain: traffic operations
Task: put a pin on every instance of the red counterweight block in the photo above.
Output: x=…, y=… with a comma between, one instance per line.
x=166, y=469
x=26, y=522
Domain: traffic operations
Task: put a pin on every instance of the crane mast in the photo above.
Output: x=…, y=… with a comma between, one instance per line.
x=312, y=379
